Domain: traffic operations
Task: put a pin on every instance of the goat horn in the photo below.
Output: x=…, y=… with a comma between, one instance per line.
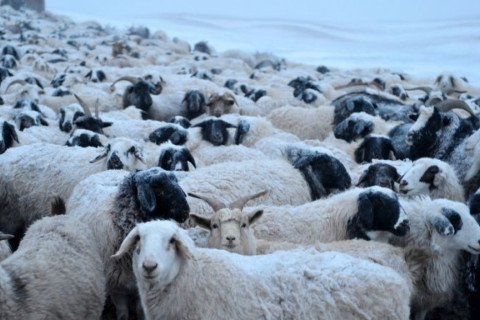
x=96, y=108
x=215, y=204
x=427, y=90
x=240, y=203
x=126, y=78
x=84, y=106
x=450, y=104
x=4, y=236
x=21, y=81
x=351, y=84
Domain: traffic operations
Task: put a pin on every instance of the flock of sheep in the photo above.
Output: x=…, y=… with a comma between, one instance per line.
x=142, y=177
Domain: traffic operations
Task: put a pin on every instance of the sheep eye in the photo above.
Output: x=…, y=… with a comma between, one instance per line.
x=172, y=241
x=244, y=225
x=214, y=226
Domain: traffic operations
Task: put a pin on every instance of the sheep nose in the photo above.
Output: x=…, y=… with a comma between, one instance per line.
x=149, y=266
x=231, y=238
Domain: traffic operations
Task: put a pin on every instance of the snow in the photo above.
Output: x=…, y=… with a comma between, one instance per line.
x=421, y=38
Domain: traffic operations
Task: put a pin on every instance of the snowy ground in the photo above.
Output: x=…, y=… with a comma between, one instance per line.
x=422, y=39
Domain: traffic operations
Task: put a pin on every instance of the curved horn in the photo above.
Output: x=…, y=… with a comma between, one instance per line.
x=21, y=81
x=351, y=84
x=240, y=203
x=450, y=104
x=215, y=204
x=427, y=90
x=96, y=108
x=126, y=78
x=4, y=236
x=84, y=105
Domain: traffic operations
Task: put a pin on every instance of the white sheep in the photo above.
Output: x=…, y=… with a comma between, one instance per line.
x=447, y=228
x=56, y=273
x=370, y=213
x=121, y=199
x=432, y=177
x=215, y=284
x=32, y=175
x=305, y=123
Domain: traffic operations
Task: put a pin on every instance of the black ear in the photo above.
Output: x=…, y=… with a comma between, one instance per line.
x=442, y=225
x=106, y=124
x=9, y=131
x=429, y=175
x=43, y=122
x=199, y=125
x=363, y=178
x=200, y=221
x=89, y=74
x=454, y=218
x=145, y=195
x=101, y=76
x=189, y=158
x=365, y=211
x=360, y=154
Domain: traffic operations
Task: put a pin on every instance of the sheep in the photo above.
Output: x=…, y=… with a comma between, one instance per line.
x=123, y=199
x=432, y=177
x=5, y=250
x=229, y=227
x=379, y=174
x=56, y=273
x=305, y=123
x=9, y=137
x=281, y=285
x=219, y=105
x=373, y=104
x=68, y=115
x=447, y=228
x=32, y=175
x=442, y=135
x=355, y=213
x=194, y=102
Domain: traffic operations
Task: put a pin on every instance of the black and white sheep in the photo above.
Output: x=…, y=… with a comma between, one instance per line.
x=121, y=200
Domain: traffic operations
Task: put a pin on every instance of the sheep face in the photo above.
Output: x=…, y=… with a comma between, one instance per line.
x=68, y=115
x=122, y=153
x=378, y=211
x=91, y=123
x=8, y=136
x=96, y=76
x=375, y=147
x=84, y=138
x=230, y=230
x=399, y=91
x=194, y=102
x=28, y=118
x=175, y=158
x=356, y=103
x=447, y=83
x=27, y=104
x=215, y=131
x=182, y=121
x=353, y=127
x=422, y=135
x=379, y=174
x=425, y=175
x=8, y=49
x=173, y=133
x=159, y=248
x=139, y=96
x=159, y=196
x=8, y=61
x=219, y=105
x=455, y=228
x=4, y=73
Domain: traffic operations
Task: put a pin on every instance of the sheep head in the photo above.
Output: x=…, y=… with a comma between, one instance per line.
x=379, y=174
x=230, y=226
x=122, y=153
x=219, y=105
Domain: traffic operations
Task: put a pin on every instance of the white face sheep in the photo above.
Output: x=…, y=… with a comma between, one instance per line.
x=229, y=227
x=431, y=177
x=215, y=284
x=121, y=153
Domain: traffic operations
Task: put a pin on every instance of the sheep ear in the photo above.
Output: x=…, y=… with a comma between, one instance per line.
x=130, y=240
x=200, y=221
x=43, y=122
x=101, y=155
x=146, y=196
x=432, y=176
x=454, y=218
x=365, y=211
x=9, y=131
x=181, y=247
x=254, y=216
x=363, y=177
x=442, y=225
x=106, y=124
